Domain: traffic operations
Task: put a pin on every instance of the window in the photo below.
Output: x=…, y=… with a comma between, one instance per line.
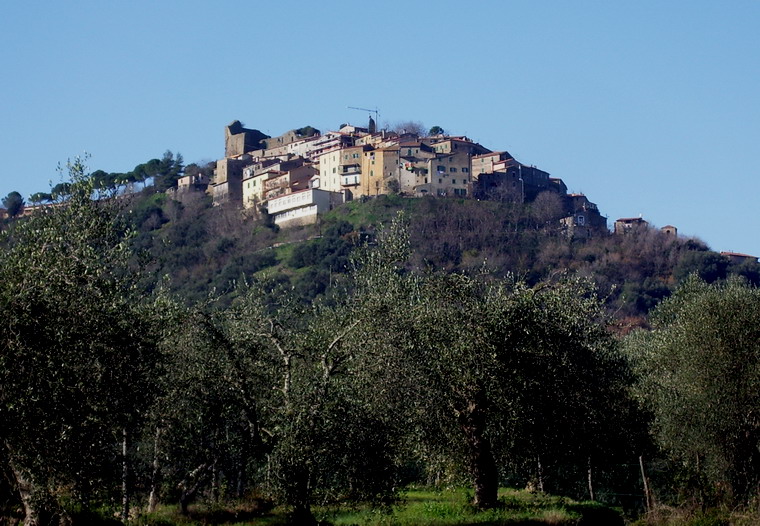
x=409, y=151
x=333, y=169
x=465, y=170
x=452, y=169
x=453, y=181
x=441, y=168
x=440, y=181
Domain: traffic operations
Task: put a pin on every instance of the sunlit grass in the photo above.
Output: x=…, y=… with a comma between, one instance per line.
x=453, y=507
x=423, y=507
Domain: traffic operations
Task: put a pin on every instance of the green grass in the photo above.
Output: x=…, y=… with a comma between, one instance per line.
x=418, y=507
x=371, y=213
x=453, y=507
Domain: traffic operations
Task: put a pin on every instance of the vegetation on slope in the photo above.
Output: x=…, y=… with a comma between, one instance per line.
x=163, y=351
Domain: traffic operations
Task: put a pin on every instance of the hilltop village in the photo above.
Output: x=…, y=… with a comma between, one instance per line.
x=302, y=173
x=295, y=177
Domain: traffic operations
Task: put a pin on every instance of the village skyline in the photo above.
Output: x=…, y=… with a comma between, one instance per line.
x=650, y=109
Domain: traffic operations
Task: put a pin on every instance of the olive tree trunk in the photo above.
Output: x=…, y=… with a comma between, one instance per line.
x=485, y=480
x=24, y=487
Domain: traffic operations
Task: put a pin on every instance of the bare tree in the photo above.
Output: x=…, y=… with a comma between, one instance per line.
x=415, y=127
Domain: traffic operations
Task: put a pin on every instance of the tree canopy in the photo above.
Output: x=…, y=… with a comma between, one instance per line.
x=77, y=350
x=13, y=203
x=699, y=375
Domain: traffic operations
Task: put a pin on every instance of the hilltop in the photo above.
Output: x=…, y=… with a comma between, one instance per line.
x=290, y=209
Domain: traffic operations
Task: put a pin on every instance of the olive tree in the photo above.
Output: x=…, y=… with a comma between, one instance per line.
x=77, y=353
x=491, y=368
x=699, y=375
x=273, y=393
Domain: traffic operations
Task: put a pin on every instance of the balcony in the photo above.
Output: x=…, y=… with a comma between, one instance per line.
x=350, y=169
x=350, y=180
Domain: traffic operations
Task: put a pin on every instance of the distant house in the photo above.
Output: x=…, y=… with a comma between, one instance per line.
x=447, y=144
x=628, y=224
x=194, y=182
x=736, y=257
x=228, y=180
x=483, y=164
x=584, y=219
x=189, y=187
x=669, y=230
x=380, y=170
x=510, y=177
x=439, y=174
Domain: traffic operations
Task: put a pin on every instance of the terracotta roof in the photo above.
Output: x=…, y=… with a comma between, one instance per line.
x=737, y=254
x=488, y=154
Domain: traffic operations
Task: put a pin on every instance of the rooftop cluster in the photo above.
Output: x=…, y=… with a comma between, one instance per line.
x=303, y=173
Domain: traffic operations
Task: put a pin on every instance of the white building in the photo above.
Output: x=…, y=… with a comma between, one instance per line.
x=302, y=207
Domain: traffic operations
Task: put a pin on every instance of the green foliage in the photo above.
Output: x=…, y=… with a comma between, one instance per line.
x=307, y=131
x=61, y=190
x=330, y=252
x=708, y=266
x=77, y=348
x=748, y=270
x=699, y=373
x=515, y=373
x=409, y=359
x=148, y=214
x=646, y=295
x=13, y=203
x=39, y=197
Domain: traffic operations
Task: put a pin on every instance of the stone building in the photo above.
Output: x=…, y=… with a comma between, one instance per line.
x=583, y=219
x=625, y=225
x=442, y=175
x=239, y=140
x=513, y=179
x=228, y=180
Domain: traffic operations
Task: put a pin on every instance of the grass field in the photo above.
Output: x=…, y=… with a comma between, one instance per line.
x=417, y=507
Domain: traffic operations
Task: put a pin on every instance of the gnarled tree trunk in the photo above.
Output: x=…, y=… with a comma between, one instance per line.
x=485, y=479
x=191, y=485
x=25, y=490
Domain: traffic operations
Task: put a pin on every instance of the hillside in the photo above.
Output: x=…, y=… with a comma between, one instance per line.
x=202, y=248
x=278, y=359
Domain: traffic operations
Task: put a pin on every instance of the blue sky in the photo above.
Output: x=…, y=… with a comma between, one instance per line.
x=647, y=107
